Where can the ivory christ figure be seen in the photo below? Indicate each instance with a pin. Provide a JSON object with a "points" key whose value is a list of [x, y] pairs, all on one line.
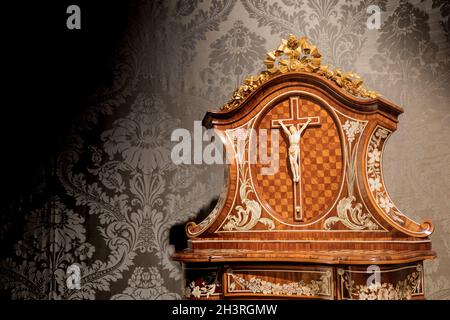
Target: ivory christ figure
{"points": [[294, 136]]}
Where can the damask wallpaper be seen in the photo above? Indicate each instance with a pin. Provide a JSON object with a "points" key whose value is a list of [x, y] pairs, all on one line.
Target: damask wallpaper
{"points": [[111, 198]]}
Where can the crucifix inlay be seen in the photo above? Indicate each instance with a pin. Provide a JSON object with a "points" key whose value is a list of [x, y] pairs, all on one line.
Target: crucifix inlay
{"points": [[293, 128]]}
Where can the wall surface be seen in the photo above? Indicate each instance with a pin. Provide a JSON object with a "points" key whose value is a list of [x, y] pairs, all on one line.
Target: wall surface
{"points": [[110, 198]]}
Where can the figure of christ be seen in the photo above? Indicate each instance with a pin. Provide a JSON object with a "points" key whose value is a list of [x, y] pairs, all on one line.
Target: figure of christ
{"points": [[294, 136]]}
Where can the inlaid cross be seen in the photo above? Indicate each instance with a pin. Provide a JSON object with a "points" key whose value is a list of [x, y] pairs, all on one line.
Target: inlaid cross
{"points": [[296, 126]]}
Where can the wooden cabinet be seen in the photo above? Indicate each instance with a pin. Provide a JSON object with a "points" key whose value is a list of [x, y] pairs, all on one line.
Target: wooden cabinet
{"points": [[305, 213]]}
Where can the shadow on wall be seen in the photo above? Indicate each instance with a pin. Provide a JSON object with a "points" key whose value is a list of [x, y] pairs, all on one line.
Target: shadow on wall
{"points": [[177, 235]]}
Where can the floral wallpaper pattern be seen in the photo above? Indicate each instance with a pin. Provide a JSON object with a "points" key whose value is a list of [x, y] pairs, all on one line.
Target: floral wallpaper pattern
{"points": [[115, 194]]}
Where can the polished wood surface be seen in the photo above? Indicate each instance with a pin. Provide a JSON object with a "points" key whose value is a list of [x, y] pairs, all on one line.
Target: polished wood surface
{"points": [[354, 257], [348, 220]]}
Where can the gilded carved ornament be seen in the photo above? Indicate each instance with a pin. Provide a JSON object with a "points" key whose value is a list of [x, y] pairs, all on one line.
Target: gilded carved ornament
{"points": [[294, 55]]}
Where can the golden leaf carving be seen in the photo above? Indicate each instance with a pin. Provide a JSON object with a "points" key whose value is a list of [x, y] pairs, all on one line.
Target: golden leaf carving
{"points": [[298, 55]]}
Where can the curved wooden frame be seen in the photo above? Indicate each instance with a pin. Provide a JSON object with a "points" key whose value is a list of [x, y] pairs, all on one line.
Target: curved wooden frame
{"points": [[361, 229], [377, 112]]}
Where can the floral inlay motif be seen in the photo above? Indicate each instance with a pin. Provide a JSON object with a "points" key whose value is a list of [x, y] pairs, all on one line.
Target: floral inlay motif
{"points": [[351, 216], [203, 287], [248, 213], [402, 290], [374, 175], [351, 129], [299, 288]]}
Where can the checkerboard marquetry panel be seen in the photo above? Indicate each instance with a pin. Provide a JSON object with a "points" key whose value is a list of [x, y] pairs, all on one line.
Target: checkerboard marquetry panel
{"points": [[321, 164]]}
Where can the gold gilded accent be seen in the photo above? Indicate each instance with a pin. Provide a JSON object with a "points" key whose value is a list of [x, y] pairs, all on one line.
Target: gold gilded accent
{"points": [[295, 55]]}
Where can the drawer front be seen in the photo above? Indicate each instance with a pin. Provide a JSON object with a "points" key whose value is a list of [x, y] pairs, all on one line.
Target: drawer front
{"points": [[283, 282], [203, 282], [401, 282]]}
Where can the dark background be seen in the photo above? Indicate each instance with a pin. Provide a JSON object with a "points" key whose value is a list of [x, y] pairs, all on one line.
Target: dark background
{"points": [[171, 60], [48, 73]]}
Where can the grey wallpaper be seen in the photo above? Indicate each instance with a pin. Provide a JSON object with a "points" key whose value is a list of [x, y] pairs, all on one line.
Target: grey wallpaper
{"points": [[115, 195]]}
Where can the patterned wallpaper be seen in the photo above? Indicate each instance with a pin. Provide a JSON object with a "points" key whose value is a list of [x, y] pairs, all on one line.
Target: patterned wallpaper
{"points": [[115, 195]]}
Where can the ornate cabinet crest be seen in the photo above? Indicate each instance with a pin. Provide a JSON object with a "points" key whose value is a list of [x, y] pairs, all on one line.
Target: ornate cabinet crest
{"points": [[304, 145]]}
